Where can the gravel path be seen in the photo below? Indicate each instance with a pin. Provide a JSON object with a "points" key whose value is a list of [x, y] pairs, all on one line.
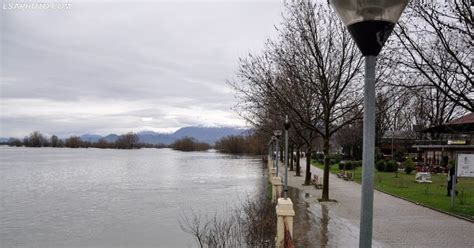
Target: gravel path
{"points": [[397, 223]]}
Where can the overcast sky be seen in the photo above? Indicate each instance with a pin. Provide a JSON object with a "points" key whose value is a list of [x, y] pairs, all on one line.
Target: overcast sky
{"points": [[117, 66]]}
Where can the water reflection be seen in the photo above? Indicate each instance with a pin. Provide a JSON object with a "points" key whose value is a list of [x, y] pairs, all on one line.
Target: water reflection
{"points": [[52, 197], [324, 226], [317, 226]]}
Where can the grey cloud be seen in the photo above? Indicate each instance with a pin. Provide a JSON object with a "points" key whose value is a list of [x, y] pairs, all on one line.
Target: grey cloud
{"points": [[168, 56]]}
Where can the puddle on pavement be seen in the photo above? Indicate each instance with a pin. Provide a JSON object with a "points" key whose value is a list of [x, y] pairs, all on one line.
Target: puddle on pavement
{"points": [[316, 226]]}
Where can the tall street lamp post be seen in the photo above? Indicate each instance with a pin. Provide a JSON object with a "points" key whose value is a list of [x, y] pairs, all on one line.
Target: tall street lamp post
{"points": [[277, 134], [270, 144], [370, 23], [273, 151], [287, 126]]}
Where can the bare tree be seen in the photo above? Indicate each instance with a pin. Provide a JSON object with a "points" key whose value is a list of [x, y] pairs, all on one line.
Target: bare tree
{"points": [[436, 42], [312, 74], [73, 142], [251, 225], [127, 141], [325, 60], [37, 139], [54, 141]]}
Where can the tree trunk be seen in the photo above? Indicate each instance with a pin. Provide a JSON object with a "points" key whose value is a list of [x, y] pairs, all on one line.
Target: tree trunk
{"points": [[325, 196], [282, 153], [292, 168], [352, 152], [307, 179], [298, 165]]}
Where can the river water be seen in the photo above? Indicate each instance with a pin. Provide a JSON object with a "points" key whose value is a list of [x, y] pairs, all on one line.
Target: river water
{"points": [[61, 197]]}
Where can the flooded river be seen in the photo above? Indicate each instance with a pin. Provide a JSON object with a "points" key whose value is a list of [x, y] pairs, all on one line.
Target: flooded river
{"points": [[61, 197]]}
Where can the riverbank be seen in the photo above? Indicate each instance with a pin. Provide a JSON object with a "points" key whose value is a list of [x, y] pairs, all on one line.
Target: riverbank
{"points": [[410, 225]]}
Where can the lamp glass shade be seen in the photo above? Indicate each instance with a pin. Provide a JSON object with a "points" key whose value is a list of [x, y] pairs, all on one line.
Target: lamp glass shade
{"points": [[370, 22]]}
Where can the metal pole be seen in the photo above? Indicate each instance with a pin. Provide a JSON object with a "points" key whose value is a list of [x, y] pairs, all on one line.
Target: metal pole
{"points": [[393, 132], [367, 201], [286, 161], [277, 156], [269, 151], [273, 153], [453, 183]]}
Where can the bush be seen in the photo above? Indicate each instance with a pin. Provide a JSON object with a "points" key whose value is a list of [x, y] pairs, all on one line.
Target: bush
{"points": [[380, 165], [378, 154], [399, 155], [391, 166], [319, 157], [356, 164], [240, 144], [349, 165], [189, 144], [335, 158], [409, 165]]}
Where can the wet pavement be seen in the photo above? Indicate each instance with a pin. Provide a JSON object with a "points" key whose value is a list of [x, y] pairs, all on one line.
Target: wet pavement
{"points": [[316, 226], [397, 223]]}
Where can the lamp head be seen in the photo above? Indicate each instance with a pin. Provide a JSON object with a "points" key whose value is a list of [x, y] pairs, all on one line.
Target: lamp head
{"points": [[287, 123], [277, 133], [370, 22]]}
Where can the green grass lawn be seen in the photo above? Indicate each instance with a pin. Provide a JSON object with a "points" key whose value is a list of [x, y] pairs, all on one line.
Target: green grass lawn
{"points": [[429, 194]]}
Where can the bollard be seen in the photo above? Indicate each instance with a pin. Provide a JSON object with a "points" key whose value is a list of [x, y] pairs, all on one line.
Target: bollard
{"points": [[285, 213], [271, 170], [269, 163], [277, 187], [272, 173]]}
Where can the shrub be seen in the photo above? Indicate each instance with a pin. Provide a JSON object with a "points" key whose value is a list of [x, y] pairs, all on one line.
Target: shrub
{"points": [[391, 166], [380, 165], [233, 145], [399, 155], [409, 165], [348, 165], [189, 144], [378, 154], [335, 158], [319, 157], [14, 142], [342, 165], [357, 163]]}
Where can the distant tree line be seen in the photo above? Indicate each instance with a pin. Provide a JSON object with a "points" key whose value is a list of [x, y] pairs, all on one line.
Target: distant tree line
{"points": [[241, 144], [234, 144], [252, 144], [37, 139], [188, 144]]}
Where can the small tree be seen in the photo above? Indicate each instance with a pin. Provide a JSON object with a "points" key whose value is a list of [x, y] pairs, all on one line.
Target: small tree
{"points": [[54, 141], [391, 166], [409, 165], [73, 142], [15, 142], [127, 141], [37, 139], [380, 165]]}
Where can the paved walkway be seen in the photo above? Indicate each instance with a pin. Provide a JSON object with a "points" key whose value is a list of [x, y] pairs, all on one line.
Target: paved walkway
{"points": [[397, 223]]}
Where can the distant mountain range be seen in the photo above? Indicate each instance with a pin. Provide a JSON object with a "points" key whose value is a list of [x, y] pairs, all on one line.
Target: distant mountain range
{"points": [[203, 134]]}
